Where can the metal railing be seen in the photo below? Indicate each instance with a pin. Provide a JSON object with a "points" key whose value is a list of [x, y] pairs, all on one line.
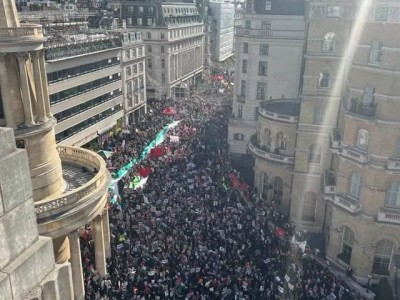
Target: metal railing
{"points": [[347, 203], [64, 202], [254, 148], [357, 107]]}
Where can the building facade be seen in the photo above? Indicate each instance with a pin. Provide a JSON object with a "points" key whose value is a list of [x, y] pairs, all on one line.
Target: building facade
{"points": [[238, 20], [268, 54], [331, 159], [85, 86], [222, 29], [67, 185], [355, 154], [133, 75], [173, 34]]}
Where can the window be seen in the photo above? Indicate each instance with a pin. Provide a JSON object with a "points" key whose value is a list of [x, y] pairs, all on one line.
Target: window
{"points": [[162, 36], [139, 21], [149, 35], [376, 52], [368, 97], [163, 78], [264, 49], [324, 80], [333, 11], [329, 41], [149, 48], [382, 13], [266, 25], [130, 9], [248, 24], [268, 5], [261, 90], [149, 21], [309, 206], [262, 68], [129, 21], [315, 154], [162, 49], [238, 137], [150, 9], [319, 115], [393, 195], [245, 48], [355, 185], [383, 257], [240, 111], [127, 54], [362, 139], [281, 141], [162, 63], [128, 71], [244, 66], [149, 63], [141, 9], [397, 149], [347, 245], [243, 88]]}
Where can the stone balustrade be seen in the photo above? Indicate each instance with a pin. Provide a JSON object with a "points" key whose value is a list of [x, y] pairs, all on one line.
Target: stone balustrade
{"points": [[270, 156], [351, 205], [354, 154], [64, 202], [389, 215], [30, 31], [277, 117]]}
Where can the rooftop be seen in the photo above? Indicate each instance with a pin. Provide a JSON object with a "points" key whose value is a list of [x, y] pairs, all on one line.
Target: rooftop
{"points": [[288, 107]]}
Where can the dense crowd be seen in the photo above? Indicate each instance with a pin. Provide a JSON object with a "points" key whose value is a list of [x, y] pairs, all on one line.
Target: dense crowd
{"points": [[191, 234]]}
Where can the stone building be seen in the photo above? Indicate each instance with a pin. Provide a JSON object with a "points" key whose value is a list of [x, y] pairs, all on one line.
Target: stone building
{"points": [[339, 161], [68, 185], [133, 75], [268, 54], [239, 6], [222, 29], [173, 34]]}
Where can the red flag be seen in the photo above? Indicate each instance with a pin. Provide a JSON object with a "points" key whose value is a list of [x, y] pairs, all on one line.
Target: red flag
{"points": [[144, 172], [156, 152], [280, 232]]}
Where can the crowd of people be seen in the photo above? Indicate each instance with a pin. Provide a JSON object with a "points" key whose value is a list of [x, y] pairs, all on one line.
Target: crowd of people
{"points": [[190, 233]]}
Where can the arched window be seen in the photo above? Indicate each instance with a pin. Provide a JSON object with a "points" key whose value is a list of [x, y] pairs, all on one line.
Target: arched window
{"points": [[347, 245], [238, 136], [315, 154], [368, 97], [393, 195], [267, 137], [376, 52], [329, 42], [309, 205], [397, 149], [355, 185], [362, 139], [280, 141], [383, 257]]}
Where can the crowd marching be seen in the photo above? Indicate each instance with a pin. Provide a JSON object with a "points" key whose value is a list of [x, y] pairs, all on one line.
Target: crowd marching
{"points": [[194, 231]]}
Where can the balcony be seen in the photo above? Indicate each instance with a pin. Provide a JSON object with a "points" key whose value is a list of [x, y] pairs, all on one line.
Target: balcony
{"points": [[354, 153], [393, 164], [357, 108], [351, 205], [266, 153], [329, 182], [336, 138], [86, 180], [28, 36], [280, 110], [267, 33], [388, 215]]}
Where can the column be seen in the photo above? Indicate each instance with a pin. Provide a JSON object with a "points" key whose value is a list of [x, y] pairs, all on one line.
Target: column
{"points": [[106, 232], [37, 76], [8, 112], [26, 97], [99, 249], [76, 265], [44, 84]]}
